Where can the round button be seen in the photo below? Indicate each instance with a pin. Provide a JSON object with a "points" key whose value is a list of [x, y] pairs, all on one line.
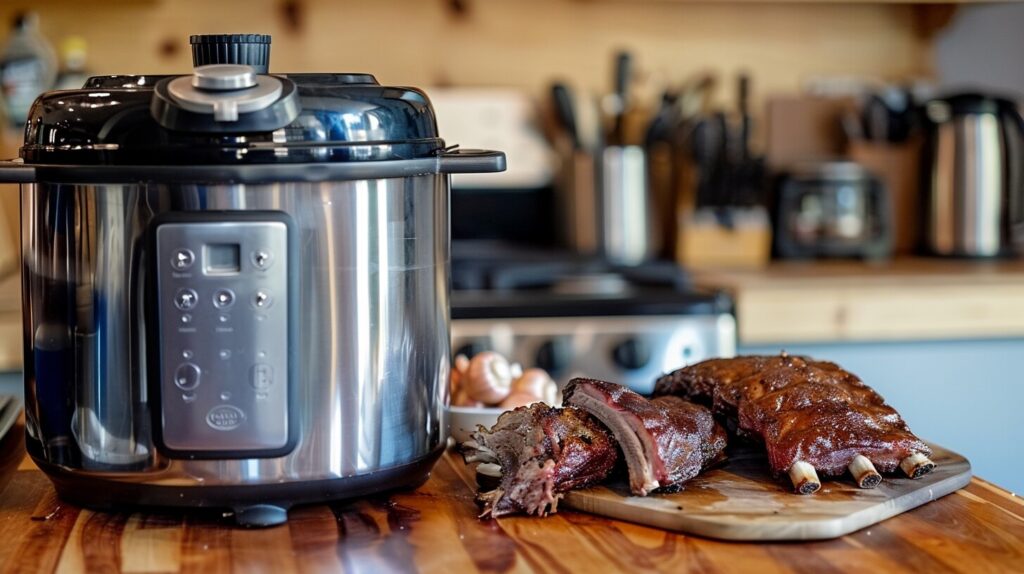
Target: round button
{"points": [[182, 259], [555, 355], [262, 300], [262, 259], [223, 298], [632, 354], [186, 377], [186, 299]]}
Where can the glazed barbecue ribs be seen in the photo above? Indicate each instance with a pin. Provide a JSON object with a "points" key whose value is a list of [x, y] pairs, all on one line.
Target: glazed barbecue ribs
{"points": [[665, 441], [543, 452], [812, 416]]}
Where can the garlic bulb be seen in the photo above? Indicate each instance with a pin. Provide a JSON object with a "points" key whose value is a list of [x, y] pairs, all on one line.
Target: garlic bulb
{"points": [[538, 383], [518, 399], [489, 377]]}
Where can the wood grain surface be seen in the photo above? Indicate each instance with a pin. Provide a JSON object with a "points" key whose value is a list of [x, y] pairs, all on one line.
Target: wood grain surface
{"points": [[741, 501], [435, 529]]}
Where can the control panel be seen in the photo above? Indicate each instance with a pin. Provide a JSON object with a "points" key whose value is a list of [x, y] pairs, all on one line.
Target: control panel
{"points": [[223, 312]]}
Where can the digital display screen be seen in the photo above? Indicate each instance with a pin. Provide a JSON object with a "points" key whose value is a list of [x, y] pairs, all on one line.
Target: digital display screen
{"points": [[222, 258]]}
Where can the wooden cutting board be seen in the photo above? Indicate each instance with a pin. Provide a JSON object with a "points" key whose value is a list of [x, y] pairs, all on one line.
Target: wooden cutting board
{"points": [[741, 501]]}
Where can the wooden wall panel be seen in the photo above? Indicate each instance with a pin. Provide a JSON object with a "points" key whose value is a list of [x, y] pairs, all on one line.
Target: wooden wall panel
{"points": [[521, 43]]}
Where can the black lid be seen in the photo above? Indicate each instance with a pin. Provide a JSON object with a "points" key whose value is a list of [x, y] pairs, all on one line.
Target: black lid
{"points": [[226, 122], [969, 103], [249, 49], [337, 118]]}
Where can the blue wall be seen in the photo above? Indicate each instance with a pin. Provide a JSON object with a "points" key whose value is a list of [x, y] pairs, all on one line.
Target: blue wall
{"points": [[967, 396]]}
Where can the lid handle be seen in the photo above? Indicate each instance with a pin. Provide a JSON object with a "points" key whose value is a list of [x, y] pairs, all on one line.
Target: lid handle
{"points": [[15, 171], [472, 161]]}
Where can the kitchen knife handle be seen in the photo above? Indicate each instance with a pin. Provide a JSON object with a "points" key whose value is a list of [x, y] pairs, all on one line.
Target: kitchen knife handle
{"points": [[14, 171], [566, 111], [472, 161]]}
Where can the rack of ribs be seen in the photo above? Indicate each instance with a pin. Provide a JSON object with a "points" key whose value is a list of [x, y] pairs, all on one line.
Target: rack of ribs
{"points": [[665, 441], [543, 452], [812, 417]]}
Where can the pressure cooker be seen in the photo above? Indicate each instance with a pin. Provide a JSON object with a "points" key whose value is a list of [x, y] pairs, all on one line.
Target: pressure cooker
{"points": [[235, 285]]}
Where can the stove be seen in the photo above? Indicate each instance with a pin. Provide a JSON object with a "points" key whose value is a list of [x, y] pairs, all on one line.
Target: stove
{"points": [[580, 316]]}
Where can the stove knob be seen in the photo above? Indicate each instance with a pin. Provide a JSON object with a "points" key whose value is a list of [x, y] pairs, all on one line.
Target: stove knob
{"points": [[632, 354], [554, 356], [472, 347]]}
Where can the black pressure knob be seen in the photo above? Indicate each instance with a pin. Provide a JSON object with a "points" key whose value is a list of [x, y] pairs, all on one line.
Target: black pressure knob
{"points": [[249, 49], [554, 356], [632, 354]]}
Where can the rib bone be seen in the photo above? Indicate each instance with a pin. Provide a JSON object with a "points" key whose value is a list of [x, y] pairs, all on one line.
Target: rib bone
{"points": [[805, 479], [917, 465], [864, 473]]}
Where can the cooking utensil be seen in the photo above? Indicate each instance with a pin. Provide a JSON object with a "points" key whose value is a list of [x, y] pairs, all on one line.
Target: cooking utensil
{"points": [[629, 232], [565, 110], [621, 84], [256, 278]]}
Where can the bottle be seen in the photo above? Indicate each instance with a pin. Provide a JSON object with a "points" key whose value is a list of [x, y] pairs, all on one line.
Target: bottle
{"points": [[28, 67], [73, 51]]}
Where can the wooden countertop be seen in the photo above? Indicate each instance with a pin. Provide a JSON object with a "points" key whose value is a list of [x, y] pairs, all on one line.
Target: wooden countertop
{"points": [[435, 529], [909, 299]]}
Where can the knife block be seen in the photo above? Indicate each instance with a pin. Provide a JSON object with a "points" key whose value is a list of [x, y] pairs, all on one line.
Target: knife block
{"points": [[740, 238]]}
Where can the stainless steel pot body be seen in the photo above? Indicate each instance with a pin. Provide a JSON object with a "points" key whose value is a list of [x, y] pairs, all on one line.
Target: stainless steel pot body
{"points": [[370, 315]]}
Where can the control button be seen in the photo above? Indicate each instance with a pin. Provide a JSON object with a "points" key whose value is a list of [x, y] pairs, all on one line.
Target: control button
{"points": [[224, 353], [186, 318], [186, 377], [188, 397], [262, 300], [185, 299], [223, 298], [182, 259], [261, 376], [186, 354], [225, 417], [631, 354], [262, 259]]}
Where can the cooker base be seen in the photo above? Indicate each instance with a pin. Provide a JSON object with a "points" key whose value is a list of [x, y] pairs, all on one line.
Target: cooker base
{"points": [[253, 505]]}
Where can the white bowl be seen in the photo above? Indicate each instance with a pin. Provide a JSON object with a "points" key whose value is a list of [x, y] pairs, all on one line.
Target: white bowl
{"points": [[464, 420]]}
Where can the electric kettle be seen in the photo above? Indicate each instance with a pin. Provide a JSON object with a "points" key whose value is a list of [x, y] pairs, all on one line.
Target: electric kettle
{"points": [[973, 177]]}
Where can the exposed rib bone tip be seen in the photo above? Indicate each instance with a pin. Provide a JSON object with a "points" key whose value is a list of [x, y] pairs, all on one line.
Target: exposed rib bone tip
{"points": [[863, 472], [805, 479], [917, 465]]}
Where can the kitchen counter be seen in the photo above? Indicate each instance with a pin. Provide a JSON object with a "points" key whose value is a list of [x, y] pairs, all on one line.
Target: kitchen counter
{"points": [[435, 529], [906, 299]]}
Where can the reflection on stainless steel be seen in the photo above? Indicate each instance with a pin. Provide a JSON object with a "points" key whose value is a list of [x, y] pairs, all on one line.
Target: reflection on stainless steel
{"points": [[372, 326]]}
